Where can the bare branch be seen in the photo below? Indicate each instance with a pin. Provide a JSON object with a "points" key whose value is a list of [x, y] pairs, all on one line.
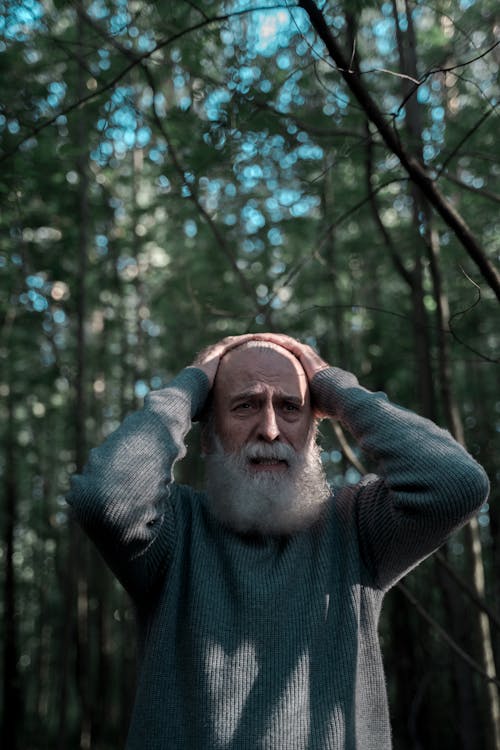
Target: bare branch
{"points": [[441, 632], [464, 312], [443, 70], [463, 140], [346, 449], [402, 316], [396, 259], [323, 238], [413, 166], [366, 199], [478, 191], [199, 10], [223, 245], [467, 589]]}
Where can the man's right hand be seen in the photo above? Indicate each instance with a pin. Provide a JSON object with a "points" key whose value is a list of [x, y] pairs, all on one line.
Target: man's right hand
{"points": [[209, 358]]}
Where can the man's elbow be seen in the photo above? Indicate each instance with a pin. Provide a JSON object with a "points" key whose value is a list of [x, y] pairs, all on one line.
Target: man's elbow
{"points": [[472, 485]]}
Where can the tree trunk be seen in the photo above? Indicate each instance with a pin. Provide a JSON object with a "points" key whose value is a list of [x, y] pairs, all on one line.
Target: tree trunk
{"points": [[471, 532], [81, 546], [44, 627], [12, 715], [458, 624], [473, 541], [334, 352], [76, 571], [424, 382]]}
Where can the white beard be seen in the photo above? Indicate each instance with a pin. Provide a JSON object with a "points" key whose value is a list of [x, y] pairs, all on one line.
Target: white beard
{"points": [[266, 502]]}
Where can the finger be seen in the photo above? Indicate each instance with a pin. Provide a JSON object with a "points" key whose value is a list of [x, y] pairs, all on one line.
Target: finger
{"points": [[217, 350], [281, 339], [232, 342], [310, 360]]}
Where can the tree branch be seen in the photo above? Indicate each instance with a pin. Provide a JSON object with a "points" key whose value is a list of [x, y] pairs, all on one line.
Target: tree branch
{"points": [[450, 69], [463, 140], [468, 590], [134, 61], [346, 448], [414, 168], [245, 284], [459, 313], [396, 259], [220, 239], [478, 191], [444, 635]]}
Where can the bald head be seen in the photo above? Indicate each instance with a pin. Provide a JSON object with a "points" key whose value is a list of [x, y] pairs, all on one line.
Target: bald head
{"points": [[255, 358]]}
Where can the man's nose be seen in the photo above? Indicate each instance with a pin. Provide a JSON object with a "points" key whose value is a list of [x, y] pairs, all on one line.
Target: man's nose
{"points": [[268, 426]]}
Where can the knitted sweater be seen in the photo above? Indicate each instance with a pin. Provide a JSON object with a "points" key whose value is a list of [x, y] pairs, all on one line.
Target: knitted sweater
{"points": [[268, 643]]}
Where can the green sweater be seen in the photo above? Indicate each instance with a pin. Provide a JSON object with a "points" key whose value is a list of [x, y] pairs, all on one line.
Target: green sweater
{"points": [[268, 643]]}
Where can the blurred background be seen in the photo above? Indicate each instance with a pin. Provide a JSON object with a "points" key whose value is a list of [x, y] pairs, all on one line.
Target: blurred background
{"points": [[171, 173]]}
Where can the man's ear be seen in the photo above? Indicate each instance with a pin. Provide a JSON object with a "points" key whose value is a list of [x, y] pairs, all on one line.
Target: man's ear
{"points": [[206, 439], [317, 413], [207, 428]]}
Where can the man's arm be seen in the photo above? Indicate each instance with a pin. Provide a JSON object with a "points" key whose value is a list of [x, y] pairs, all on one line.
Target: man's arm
{"points": [[122, 497], [427, 484]]}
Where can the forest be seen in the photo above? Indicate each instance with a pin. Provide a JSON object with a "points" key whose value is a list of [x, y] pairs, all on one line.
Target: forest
{"points": [[175, 172]]}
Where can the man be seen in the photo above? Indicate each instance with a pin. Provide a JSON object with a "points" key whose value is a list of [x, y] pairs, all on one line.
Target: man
{"points": [[258, 600]]}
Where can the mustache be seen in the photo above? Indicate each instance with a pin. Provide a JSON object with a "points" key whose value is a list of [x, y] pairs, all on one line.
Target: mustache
{"points": [[267, 451]]}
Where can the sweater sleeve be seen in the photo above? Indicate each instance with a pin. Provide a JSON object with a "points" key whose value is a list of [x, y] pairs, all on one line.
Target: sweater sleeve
{"points": [[427, 484], [121, 499]]}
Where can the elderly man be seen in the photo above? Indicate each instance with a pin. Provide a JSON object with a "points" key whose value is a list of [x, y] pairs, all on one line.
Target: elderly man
{"points": [[258, 600]]}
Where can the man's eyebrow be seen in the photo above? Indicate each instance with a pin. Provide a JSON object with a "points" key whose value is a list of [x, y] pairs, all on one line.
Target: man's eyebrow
{"points": [[291, 399], [255, 393], [245, 395]]}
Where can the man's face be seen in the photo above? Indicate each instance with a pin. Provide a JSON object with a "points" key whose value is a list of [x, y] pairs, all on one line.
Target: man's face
{"points": [[261, 395], [264, 472]]}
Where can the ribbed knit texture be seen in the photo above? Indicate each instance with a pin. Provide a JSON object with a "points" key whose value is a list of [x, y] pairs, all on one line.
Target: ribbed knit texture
{"points": [[268, 643]]}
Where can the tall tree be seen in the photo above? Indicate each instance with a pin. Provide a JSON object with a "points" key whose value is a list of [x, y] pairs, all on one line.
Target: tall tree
{"points": [[12, 714]]}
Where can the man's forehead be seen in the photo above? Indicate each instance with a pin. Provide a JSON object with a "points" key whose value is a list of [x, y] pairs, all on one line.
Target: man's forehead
{"points": [[256, 389]]}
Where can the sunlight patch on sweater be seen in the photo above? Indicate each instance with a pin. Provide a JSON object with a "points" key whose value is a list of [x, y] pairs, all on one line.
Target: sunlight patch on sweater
{"points": [[230, 678]]}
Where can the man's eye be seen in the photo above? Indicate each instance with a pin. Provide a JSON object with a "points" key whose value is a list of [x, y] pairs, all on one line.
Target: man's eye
{"points": [[291, 407], [244, 406]]}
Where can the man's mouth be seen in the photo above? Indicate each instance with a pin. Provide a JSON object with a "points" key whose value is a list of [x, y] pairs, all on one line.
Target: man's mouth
{"points": [[268, 464]]}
